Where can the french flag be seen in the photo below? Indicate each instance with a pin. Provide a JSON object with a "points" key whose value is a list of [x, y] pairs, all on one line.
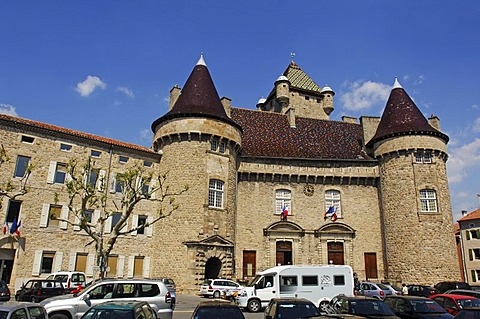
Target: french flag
{"points": [[330, 213], [285, 210], [14, 229]]}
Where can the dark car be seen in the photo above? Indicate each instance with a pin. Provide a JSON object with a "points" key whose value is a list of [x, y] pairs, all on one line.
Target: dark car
{"points": [[450, 285], [361, 306], [468, 313], [410, 307], [121, 310], [421, 290], [22, 310], [36, 290], [217, 309], [286, 308], [4, 291], [453, 303]]}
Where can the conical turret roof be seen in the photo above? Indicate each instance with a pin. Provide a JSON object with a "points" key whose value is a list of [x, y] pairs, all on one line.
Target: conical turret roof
{"points": [[198, 97], [299, 79], [402, 117]]}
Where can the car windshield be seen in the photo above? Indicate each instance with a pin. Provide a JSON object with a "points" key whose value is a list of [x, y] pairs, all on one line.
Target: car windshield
{"points": [[219, 312], [427, 306], [370, 307], [469, 302], [254, 281], [383, 287]]}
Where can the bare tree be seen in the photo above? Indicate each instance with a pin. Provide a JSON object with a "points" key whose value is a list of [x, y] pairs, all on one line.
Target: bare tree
{"points": [[8, 187], [86, 194]]}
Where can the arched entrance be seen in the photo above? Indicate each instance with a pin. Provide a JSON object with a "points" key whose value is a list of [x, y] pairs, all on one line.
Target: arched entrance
{"points": [[284, 253], [212, 268]]}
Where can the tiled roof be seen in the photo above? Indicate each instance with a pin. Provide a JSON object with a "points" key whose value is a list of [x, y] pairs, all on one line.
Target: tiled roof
{"points": [[299, 79], [401, 116], [268, 134], [12, 120], [199, 97], [471, 216]]}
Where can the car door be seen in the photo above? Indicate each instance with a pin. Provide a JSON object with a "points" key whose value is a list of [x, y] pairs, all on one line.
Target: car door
{"points": [[97, 295]]}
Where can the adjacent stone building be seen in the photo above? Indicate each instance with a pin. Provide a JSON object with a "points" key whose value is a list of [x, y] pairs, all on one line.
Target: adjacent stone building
{"points": [[282, 184]]}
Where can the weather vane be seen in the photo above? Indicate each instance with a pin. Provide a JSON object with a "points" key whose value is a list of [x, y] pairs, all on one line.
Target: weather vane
{"points": [[292, 55]]}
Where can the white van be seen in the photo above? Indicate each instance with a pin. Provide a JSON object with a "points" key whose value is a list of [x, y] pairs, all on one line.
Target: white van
{"points": [[71, 280], [319, 284]]}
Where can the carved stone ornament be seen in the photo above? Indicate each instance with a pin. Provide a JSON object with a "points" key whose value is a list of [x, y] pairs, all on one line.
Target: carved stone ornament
{"points": [[308, 190]]}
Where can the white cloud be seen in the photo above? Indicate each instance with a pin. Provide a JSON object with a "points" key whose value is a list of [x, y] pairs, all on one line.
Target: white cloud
{"points": [[7, 109], [419, 80], [364, 94], [476, 124], [125, 90], [90, 84], [462, 160], [146, 134]]}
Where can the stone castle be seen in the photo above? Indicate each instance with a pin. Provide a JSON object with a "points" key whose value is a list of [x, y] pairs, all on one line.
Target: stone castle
{"points": [[282, 184]]}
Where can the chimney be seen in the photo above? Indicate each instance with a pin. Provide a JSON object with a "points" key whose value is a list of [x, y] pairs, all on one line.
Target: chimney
{"points": [[434, 121], [478, 197], [349, 119], [174, 94], [227, 105], [291, 116], [464, 212]]}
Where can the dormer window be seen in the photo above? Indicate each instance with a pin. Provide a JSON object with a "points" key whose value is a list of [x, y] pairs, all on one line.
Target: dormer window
{"points": [[423, 157]]}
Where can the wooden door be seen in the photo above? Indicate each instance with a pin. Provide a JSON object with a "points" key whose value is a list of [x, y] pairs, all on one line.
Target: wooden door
{"points": [[335, 253], [371, 265]]}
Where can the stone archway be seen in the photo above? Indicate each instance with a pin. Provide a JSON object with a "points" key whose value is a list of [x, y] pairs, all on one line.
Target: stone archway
{"points": [[212, 268]]}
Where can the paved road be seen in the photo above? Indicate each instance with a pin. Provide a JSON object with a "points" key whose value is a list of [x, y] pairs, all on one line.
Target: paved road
{"points": [[187, 303]]}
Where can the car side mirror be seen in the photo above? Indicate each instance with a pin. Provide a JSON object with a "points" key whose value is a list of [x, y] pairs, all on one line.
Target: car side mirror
{"points": [[85, 297]]}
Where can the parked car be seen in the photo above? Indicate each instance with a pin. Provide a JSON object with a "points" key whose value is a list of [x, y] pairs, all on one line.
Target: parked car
{"points": [[71, 280], [360, 306], [468, 313], [450, 285], [217, 309], [464, 292], [395, 290], [169, 283], [453, 303], [373, 289], [215, 287], [121, 310], [152, 291], [416, 307], [23, 310], [4, 291], [36, 290], [286, 308], [421, 290]]}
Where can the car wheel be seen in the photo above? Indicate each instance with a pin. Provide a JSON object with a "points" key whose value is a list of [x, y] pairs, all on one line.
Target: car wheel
{"points": [[58, 316], [216, 294], [254, 305], [33, 299], [323, 306]]}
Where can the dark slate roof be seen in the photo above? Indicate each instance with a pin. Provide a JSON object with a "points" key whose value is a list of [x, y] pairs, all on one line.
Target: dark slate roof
{"points": [[299, 79], [402, 117], [268, 134], [199, 97]]}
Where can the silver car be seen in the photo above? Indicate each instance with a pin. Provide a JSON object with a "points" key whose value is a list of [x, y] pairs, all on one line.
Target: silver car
{"points": [[375, 290], [74, 306], [216, 287]]}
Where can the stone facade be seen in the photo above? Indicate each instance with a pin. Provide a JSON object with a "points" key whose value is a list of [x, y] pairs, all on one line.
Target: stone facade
{"points": [[228, 223]]}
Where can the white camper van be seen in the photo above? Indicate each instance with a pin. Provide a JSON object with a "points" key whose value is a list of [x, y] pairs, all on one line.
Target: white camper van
{"points": [[319, 284]]}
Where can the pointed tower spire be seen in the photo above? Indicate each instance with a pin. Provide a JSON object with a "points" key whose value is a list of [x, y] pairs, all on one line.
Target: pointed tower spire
{"points": [[201, 61], [401, 117]]}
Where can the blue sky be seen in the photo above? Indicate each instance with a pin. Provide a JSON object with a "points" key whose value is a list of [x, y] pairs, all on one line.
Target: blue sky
{"points": [[106, 67]]}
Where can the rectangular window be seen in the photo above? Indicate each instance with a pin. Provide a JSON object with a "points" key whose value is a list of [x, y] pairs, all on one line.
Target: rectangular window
{"points": [[288, 281], [13, 210], [428, 201], [138, 267], [53, 215], [474, 254], [333, 198], [65, 147], [115, 219], [213, 145], [47, 262], [310, 280], [283, 201], [118, 186], [427, 157], [338, 280], [81, 262], [27, 139], [474, 234], [89, 214], [142, 220], [474, 275], [147, 163], [222, 148], [60, 173], [94, 153], [21, 166], [418, 157], [123, 159], [112, 266], [93, 177], [215, 193]]}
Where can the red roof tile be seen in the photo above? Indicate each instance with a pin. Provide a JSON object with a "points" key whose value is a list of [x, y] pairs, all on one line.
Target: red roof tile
{"points": [[471, 216]]}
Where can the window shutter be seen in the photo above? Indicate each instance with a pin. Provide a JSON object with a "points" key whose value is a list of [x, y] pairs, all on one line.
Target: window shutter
{"points": [[468, 234], [149, 229], [474, 275], [71, 262], [90, 263], [113, 183], [153, 185], [44, 215], [125, 227], [134, 224], [470, 254], [120, 266], [63, 215], [77, 221], [36, 262], [95, 216], [108, 225], [101, 180], [51, 172], [58, 261], [146, 267], [131, 264]]}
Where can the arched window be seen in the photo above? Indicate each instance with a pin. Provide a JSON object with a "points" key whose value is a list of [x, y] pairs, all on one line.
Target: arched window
{"points": [[428, 201], [215, 193], [332, 198], [283, 200]]}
